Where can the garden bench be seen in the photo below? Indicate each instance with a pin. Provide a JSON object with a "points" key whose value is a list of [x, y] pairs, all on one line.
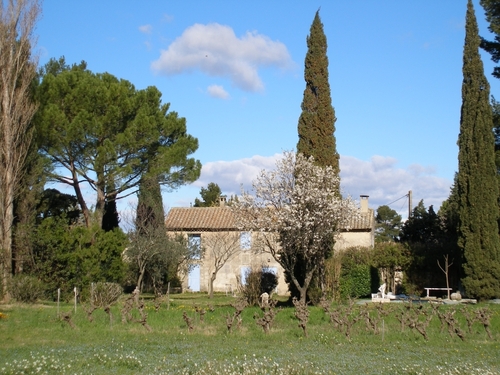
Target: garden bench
{"points": [[428, 289]]}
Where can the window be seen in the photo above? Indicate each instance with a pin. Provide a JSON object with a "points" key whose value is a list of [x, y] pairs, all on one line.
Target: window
{"points": [[245, 270], [245, 240], [194, 243]]}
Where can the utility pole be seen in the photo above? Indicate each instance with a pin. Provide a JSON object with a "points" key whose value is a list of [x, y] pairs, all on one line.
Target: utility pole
{"points": [[410, 205]]}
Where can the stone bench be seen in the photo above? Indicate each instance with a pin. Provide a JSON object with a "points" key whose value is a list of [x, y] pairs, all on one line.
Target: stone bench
{"points": [[429, 289]]}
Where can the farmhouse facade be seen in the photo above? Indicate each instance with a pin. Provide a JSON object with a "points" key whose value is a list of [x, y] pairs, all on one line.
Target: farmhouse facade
{"points": [[210, 227]]}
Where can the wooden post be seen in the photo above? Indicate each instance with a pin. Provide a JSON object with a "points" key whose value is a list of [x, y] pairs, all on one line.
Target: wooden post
{"points": [[168, 296], [410, 203], [75, 290]]}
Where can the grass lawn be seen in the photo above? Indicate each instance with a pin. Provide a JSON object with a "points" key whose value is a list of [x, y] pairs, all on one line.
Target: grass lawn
{"points": [[33, 340]]}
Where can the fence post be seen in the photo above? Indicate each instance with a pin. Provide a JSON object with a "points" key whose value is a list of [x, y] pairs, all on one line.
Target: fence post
{"points": [[75, 290]]}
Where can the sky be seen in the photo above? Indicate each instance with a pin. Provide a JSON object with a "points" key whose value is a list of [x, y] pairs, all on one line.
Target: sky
{"points": [[234, 70]]}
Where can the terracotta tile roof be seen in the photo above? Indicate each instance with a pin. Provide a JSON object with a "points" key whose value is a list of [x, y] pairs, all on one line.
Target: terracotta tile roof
{"points": [[221, 218], [200, 219], [364, 223]]}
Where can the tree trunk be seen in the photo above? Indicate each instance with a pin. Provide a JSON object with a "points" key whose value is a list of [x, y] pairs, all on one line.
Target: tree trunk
{"points": [[79, 196], [100, 202], [6, 241], [211, 286], [142, 271], [303, 288]]}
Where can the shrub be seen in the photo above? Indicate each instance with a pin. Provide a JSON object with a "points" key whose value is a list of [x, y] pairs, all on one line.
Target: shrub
{"points": [[355, 282], [257, 281], [105, 294], [268, 280], [356, 273], [26, 288]]}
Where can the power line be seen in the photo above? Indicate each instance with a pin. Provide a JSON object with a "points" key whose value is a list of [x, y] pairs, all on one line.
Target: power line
{"points": [[401, 209], [404, 196]]}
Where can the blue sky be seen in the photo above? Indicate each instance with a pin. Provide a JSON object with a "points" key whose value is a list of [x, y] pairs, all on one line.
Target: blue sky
{"points": [[234, 70]]}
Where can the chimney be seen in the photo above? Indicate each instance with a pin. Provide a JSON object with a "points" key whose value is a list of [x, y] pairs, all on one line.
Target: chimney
{"points": [[222, 200], [364, 203]]}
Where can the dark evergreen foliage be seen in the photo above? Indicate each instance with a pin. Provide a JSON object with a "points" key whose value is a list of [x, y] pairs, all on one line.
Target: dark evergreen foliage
{"points": [[357, 278], [317, 121], [65, 256], [98, 125], [423, 226], [477, 186], [492, 12], [149, 205], [110, 219], [429, 237], [388, 224], [210, 196], [495, 106], [53, 203]]}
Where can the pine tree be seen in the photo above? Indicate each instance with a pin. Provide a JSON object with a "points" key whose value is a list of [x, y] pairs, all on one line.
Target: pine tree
{"points": [[476, 180], [317, 121], [210, 196]]}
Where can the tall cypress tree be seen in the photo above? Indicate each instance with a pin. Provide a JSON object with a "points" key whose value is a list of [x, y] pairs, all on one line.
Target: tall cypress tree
{"points": [[316, 129], [492, 12], [317, 120], [476, 180], [150, 211]]}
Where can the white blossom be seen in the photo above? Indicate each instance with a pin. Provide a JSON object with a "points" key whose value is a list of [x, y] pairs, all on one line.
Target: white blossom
{"points": [[298, 209]]}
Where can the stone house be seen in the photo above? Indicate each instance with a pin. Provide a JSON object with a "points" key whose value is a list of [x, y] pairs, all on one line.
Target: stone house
{"points": [[214, 229]]}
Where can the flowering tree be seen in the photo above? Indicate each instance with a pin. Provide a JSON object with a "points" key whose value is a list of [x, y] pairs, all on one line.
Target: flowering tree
{"points": [[297, 212]]}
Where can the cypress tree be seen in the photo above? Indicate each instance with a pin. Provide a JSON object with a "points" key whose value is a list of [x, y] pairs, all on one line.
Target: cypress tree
{"points": [[317, 121], [150, 213], [110, 219], [316, 129], [476, 180], [492, 12]]}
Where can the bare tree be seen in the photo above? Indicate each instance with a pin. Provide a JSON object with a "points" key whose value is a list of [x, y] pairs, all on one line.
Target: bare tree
{"points": [[17, 71], [445, 271], [218, 249], [153, 252], [297, 212], [148, 247]]}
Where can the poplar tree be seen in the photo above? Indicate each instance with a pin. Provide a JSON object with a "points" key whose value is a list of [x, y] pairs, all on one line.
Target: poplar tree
{"points": [[317, 121], [17, 70], [476, 180]]}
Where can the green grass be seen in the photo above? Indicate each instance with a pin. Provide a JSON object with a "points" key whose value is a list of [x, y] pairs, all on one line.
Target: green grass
{"points": [[33, 340]]}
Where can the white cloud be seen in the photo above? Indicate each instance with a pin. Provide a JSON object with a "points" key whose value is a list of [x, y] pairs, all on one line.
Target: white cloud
{"points": [[146, 29], [215, 50], [384, 182], [217, 91], [231, 175], [380, 178]]}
